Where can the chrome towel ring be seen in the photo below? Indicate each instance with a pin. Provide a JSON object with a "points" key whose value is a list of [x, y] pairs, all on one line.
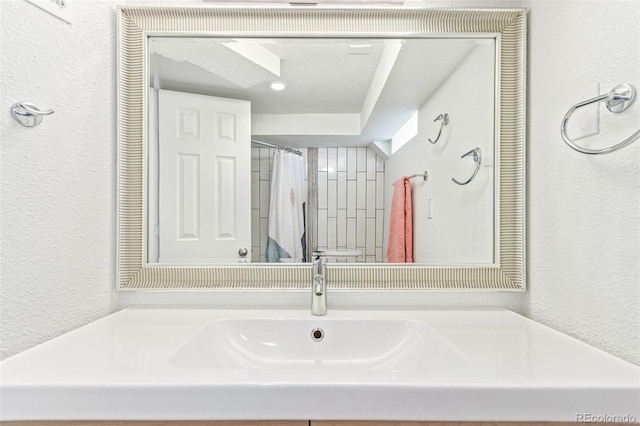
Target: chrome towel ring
{"points": [[445, 122], [477, 158], [617, 100]]}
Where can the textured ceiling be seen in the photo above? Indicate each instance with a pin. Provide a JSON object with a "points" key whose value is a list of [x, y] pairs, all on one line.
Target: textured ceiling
{"points": [[323, 76]]}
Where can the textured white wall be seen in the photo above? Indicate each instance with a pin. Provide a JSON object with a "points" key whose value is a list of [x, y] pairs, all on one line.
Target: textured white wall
{"points": [[461, 228], [584, 211], [58, 181], [583, 214]]}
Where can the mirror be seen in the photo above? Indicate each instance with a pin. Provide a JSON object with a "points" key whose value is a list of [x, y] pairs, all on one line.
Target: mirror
{"points": [[242, 131], [356, 113]]}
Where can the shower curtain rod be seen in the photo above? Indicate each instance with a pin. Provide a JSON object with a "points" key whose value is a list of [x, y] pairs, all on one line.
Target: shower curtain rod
{"points": [[284, 148]]}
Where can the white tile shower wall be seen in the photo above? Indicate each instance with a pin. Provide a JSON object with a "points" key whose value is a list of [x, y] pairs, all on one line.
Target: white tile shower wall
{"points": [[350, 202], [341, 225]]}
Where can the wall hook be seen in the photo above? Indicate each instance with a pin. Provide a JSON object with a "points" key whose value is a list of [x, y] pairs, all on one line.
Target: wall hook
{"points": [[477, 158], [28, 114], [445, 121]]}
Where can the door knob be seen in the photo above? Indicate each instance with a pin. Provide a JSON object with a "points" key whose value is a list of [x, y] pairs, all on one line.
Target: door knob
{"points": [[243, 252]]}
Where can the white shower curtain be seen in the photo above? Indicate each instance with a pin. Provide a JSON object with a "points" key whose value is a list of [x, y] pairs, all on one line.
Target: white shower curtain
{"points": [[287, 222]]}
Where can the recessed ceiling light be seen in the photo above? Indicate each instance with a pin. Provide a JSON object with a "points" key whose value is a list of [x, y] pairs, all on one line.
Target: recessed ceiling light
{"points": [[277, 85]]}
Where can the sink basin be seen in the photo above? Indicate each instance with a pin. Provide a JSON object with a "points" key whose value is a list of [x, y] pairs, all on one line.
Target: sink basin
{"points": [[261, 364], [312, 343]]}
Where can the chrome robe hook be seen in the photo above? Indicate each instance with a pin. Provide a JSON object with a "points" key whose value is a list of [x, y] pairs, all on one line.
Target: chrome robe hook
{"points": [[617, 100], [445, 121], [477, 158], [28, 114]]}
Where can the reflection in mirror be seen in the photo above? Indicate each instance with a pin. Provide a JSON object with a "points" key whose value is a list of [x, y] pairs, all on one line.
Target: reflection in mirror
{"points": [[265, 149]]}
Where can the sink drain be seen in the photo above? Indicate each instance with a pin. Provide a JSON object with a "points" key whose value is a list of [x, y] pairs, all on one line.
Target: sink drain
{"points": [[317, 334]]}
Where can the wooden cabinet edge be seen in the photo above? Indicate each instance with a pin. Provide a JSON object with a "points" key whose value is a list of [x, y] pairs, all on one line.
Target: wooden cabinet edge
{"points": [[159, 423], [284, 423], [432, 423]]}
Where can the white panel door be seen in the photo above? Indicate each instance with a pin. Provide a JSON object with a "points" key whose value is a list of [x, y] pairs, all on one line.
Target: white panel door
{"points": [[205, 178]]}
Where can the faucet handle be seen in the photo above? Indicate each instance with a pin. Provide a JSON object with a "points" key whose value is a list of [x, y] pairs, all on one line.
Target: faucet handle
{"points": [[317, 254]]}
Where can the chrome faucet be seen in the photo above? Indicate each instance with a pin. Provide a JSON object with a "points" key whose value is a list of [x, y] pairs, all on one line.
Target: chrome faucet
{"points": [[319, 286]]}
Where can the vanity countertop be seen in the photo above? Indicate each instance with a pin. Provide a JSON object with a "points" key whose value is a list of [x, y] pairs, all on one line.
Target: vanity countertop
{"points": [[210, 364]]}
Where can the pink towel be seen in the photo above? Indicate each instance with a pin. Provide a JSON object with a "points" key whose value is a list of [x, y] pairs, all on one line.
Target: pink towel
{"points": [[400, 248]]}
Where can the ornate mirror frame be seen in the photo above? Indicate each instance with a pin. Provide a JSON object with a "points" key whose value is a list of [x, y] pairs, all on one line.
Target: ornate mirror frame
{"points": [[136, 24]]}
